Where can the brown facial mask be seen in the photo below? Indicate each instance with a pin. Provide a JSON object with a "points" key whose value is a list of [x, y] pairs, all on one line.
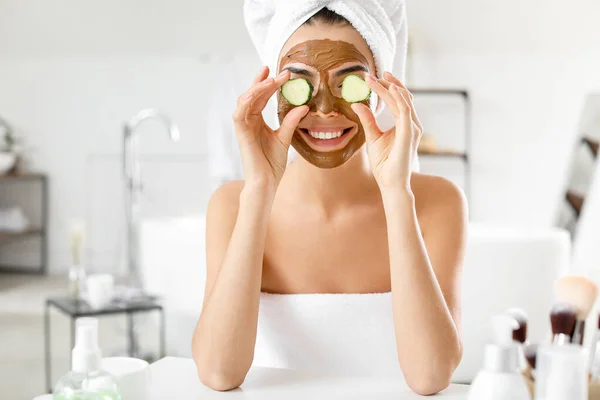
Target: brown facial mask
{"points": [[325, 55]]}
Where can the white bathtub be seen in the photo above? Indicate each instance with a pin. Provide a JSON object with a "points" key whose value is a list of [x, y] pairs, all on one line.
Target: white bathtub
{"points": [[173, 260], [504, 267]]}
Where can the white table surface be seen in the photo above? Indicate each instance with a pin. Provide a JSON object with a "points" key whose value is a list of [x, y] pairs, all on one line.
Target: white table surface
{"points": [[176, 378]]}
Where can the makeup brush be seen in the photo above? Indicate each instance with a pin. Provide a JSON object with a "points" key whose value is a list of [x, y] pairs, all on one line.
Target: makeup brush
{"points": [[531, 357], [520, 333], [563, 317], [531, 354], [593, 368], [581, 292]]}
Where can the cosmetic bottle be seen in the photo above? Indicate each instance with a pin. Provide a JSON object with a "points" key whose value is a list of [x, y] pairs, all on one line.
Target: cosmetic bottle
{"points": [[500, 378], [86, 381]]}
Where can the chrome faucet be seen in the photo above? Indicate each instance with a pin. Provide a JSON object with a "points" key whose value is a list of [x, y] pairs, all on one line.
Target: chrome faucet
{"points": [[133, 188]]}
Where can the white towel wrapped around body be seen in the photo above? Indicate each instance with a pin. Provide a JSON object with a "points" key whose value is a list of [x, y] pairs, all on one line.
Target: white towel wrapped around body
{"points": [[346, 334]]}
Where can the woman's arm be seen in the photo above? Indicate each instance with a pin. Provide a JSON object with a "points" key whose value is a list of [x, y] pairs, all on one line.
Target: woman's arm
{"points": [[425, 272], [425, 279], [223, 343]]}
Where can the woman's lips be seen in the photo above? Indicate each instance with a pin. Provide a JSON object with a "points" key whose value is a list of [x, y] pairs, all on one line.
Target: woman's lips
{"points": [[325, 139]]}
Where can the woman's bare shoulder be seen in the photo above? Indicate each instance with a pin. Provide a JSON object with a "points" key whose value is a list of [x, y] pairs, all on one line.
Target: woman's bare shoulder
{"points": [[225, 200], [436, 196]]}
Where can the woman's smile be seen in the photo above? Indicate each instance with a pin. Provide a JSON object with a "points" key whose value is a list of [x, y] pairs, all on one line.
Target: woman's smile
{"points": [[331, 132], [327, 138]]}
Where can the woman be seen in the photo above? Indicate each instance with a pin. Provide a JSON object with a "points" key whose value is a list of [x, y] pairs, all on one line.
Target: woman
{"points": [[347, 217]]}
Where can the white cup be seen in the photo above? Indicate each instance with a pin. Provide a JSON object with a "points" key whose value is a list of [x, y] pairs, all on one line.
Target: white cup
{"points": [[100, 289], [132, 375]]}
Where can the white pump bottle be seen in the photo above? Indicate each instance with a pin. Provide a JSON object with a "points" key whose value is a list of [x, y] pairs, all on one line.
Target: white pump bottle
{"points": [[86, 381], [500, 378]]}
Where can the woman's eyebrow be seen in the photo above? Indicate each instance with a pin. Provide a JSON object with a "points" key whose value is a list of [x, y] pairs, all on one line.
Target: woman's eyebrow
{"points": [[298, 71], [353, 68]]}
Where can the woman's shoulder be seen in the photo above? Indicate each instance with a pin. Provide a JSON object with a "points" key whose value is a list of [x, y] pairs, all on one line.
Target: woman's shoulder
{"points": [[229, 190], [435, 195], [226, 198]]}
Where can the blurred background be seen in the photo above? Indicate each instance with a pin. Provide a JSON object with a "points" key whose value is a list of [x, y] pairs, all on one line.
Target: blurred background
{"points": [[508, 92]]}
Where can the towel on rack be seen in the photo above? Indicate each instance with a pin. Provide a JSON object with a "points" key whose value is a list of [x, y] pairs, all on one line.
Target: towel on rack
{"points": [[13, 220]]}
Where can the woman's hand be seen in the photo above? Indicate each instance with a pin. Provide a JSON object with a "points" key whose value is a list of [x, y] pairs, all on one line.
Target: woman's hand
{"points": [[263, 150], [392, 152]]}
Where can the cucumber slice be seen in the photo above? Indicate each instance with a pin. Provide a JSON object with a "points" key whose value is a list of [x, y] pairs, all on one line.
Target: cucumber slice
{"points": [[355, 89], [297, 91]]}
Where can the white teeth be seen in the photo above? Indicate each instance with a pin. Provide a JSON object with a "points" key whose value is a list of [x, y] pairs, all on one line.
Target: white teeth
{"points": [[326, 135]]}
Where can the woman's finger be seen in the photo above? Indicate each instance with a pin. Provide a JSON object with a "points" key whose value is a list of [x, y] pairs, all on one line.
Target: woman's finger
{"points": [[383, 93], [404, 95], [239, 115], [392, 79], [384, 83], [405, 135], [408, 96], [253, 90], [244, 102], [260, 101], [387, 84], [404, 105], [367, 119], [262, 75], [290, 123], [257, 92]]}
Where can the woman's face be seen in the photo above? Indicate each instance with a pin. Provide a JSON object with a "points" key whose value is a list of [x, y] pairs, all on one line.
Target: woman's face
{"points": [[325, 55]]}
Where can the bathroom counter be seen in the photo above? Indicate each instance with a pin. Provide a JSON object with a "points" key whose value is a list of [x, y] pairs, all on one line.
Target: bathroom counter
{"points": [[176, 378]]}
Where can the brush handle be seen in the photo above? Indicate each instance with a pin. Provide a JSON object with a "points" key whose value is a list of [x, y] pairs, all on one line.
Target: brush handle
{"points": [[560, 339], [523, 364], [578, 332]]}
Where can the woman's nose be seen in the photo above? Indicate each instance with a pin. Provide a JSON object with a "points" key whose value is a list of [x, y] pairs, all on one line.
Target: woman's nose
{"points": [[324, 102]]}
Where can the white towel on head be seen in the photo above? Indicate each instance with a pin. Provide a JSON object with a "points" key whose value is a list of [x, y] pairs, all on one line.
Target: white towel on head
{"points": [[349, 334], [382, 23]]}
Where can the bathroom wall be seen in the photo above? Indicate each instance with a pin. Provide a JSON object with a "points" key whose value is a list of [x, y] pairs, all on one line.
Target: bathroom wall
{"points": [[72, 72], [71, 111]]}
